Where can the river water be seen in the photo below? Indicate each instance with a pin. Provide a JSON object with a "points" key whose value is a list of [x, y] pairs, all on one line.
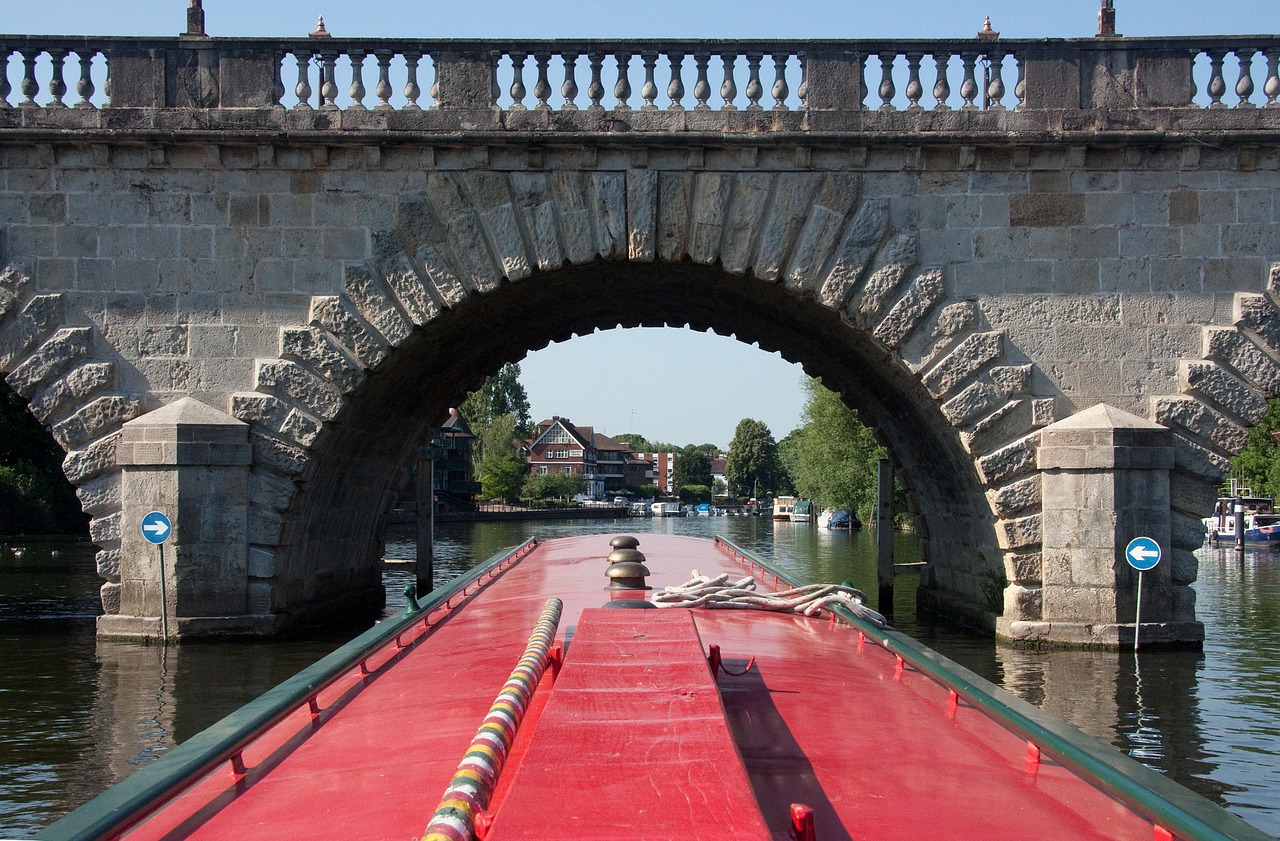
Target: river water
{"points": [[77, 715]]}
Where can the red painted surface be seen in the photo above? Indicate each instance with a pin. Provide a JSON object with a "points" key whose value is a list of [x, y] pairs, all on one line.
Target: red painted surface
{"points": [[633, 742], [875, 750]]}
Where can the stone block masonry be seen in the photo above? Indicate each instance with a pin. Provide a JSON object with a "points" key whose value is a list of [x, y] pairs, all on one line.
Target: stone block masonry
{"points": [[250, 310]]}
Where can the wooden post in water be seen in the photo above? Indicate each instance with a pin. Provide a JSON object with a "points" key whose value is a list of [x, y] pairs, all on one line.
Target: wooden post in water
{"points": [[884, 535], [425, 518]]}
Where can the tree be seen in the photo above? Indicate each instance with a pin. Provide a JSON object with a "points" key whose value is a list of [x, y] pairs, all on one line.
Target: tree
{"points": [[502, 476], [554, 486], [836, 455], [501, 394], [788, 462], [751, 468], [639, 444], [692, 467], [1258, 465]]}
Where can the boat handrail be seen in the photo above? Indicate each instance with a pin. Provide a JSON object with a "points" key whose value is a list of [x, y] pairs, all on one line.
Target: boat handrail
{"points": [[477, 775], [1173, 807], [128, 802]]}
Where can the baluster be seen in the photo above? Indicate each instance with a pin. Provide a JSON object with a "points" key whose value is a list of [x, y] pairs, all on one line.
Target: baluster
{"points": [[780, 89], [303, 88], [495, 90], [915, 90], [649, 91], [29, 86], [941, 87], [1244, 85], [5, 87], [675, 88], [995, 84], [357, 89], [887, 89], [411, 89], [570, 87], [1271, 88], [728, 89], [57, 83], [434, 92], [622, 88], [701, 88], [84, 87], [1020, 89], [329, 88], [542, 87], [518, 89], [803, 91], [382, 90], [754, 89], [595, 88], [278, 89], [969, 87], [1217, 85]]}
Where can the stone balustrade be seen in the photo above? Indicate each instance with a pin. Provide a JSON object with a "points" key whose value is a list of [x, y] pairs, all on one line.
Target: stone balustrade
{"points": [[640, 84]]}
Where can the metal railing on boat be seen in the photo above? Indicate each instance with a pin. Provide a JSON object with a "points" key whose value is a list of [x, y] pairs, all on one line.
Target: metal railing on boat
{"points": [[113, 812], [1176, 811]]}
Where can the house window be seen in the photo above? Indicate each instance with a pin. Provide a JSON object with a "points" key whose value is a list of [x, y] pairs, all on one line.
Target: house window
{"points": [[567, 470], [560, 454], [542, 470]]}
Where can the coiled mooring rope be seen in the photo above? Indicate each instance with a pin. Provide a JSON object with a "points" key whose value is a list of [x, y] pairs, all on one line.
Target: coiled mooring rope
{"points": [[810, 600], [473, 783]]}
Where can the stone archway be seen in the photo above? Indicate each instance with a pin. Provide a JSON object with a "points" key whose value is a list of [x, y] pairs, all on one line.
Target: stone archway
{"points": [[482, 266]]}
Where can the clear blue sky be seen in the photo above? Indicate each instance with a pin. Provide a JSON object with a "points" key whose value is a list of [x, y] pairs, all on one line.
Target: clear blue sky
{"points": [[670, 385]]}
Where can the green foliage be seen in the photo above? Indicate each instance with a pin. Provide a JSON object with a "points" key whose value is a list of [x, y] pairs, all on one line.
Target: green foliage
{"points": [[554, 486], [695, 493], [501, 394], [496, 439], [35, 497], [639, 444], [692, 467], [1258, 465], [648, 491], [835, 456], [502, 476], [751, 468]]}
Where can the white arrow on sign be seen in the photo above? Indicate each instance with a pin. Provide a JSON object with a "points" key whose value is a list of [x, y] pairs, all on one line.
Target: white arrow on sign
{"points": [[1143, 553], [158, 529]]}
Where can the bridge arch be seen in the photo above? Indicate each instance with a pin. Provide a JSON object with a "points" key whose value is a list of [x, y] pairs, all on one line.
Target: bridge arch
{"points": [[804, 265], [477, 266]]}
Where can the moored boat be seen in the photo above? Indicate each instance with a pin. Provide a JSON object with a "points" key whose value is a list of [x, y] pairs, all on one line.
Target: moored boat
{"points": [[802, 511], [802, 718], [782, 506], [1261, 522]]}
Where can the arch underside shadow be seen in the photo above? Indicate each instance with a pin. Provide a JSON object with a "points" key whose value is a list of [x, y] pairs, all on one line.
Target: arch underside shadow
{"points": [[359, 459]]}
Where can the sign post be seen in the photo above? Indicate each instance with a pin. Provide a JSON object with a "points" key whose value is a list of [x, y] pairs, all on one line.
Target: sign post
{"points": [[156, 528], [1142, 553]]}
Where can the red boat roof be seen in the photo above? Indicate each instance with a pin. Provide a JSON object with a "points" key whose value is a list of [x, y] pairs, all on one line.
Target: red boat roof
{"points": [[634, 739]]}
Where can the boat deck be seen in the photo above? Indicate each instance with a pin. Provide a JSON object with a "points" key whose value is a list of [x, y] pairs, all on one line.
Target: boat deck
{"points": [[825, 717]]}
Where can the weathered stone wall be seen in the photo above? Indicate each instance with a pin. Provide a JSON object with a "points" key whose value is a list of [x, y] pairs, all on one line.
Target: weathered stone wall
{"points": [[339, 297]]}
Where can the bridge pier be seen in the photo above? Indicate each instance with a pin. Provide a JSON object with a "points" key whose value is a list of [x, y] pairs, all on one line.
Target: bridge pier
{"points": [[1104, 481], [192, 463]]}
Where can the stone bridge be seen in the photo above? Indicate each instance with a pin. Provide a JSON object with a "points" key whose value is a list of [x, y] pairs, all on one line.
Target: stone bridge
{"points": [[242, 278]]}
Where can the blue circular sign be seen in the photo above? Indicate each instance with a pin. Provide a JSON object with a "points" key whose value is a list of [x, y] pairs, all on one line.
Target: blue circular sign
{"points": [[156, 527], [1142, 553]]}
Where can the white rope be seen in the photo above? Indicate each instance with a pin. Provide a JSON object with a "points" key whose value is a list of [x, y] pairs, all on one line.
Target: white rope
{"points": [[719, 592]]}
